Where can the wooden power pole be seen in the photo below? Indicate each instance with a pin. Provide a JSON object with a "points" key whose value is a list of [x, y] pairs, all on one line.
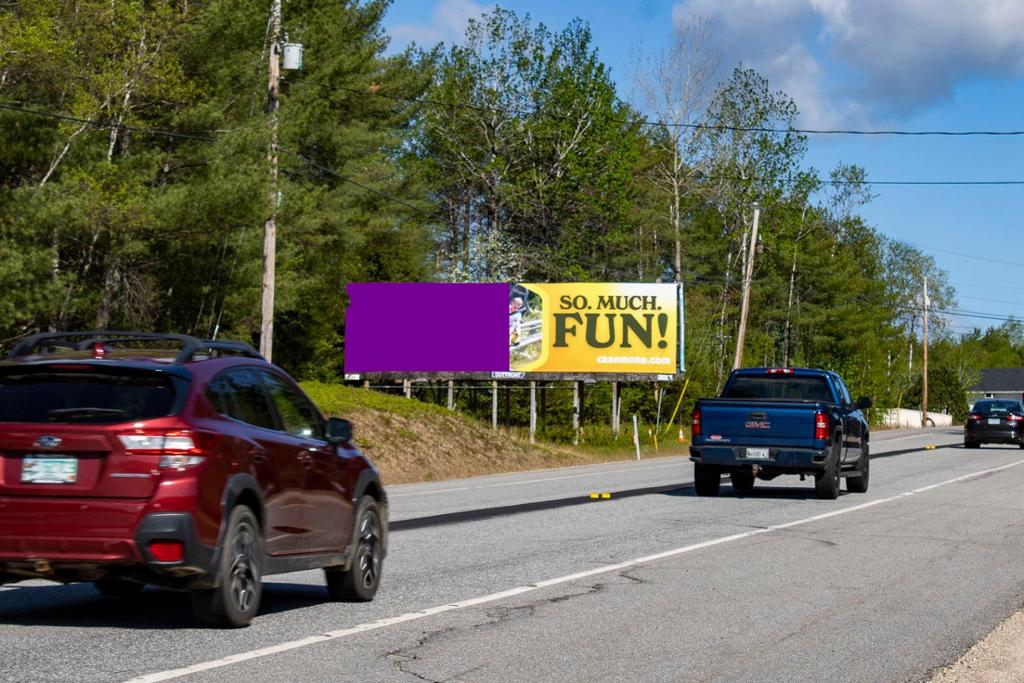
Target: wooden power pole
{"points": [[924, 372], [270, 227], [748, 276]]}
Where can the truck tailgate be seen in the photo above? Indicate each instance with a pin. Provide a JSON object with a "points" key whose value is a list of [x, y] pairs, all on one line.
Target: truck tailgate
{"points": [[783, 424]]}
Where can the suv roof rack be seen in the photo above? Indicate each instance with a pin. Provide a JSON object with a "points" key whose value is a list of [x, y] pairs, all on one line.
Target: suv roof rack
{"points": [[80, 341]]}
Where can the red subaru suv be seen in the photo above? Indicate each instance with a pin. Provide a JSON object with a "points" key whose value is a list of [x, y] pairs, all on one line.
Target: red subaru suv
{"points": [[129, 458]]}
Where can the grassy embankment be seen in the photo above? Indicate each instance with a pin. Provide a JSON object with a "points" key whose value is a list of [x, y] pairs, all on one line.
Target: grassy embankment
{"points": [[414, 441]]}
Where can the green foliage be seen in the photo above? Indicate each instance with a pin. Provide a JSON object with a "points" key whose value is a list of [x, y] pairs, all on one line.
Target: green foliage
{"points": [[510, 156]]}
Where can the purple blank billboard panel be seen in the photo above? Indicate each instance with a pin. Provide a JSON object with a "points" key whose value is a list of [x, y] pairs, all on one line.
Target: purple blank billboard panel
{"points": [[426, 327]]}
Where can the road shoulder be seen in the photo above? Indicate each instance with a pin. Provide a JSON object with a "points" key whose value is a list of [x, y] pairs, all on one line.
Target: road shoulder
{"points": [[998, 658]]}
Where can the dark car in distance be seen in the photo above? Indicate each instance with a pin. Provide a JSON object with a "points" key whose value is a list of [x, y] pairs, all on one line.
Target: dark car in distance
{"points": [[994, 421], [129, 458]]}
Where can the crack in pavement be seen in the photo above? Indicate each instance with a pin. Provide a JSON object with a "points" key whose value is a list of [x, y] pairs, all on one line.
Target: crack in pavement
{"points": [[495, 616]]}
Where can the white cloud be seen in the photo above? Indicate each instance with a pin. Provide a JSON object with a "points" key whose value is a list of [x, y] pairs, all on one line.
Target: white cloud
{"points": [[848, 61], [447, 24]]}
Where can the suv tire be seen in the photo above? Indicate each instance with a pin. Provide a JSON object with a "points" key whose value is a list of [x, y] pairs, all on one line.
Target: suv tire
{"points": [[706, 479], [236, 598], [118, 588], [826, 482], [359, 582]]}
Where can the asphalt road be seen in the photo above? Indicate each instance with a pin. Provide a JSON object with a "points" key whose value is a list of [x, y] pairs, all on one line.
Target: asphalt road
{"points": [[525, 578]]}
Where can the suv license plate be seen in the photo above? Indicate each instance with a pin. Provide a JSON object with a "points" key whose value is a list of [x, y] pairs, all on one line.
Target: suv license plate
{"points": [[757, 453], [45, 469]]}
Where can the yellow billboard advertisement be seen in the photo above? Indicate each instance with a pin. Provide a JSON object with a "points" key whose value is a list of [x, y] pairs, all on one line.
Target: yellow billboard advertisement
{"points": [[594, 327]]}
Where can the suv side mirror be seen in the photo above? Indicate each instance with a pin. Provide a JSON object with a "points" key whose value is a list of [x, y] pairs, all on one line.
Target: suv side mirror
{"points": [[339, 430], [863, 403]]}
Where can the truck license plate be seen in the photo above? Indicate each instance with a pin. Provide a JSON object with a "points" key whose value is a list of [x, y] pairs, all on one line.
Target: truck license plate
{"points": [[40, 469], [757, 453]]}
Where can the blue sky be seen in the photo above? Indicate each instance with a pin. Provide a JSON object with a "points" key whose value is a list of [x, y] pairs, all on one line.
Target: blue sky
{"points": [[864, 64]]}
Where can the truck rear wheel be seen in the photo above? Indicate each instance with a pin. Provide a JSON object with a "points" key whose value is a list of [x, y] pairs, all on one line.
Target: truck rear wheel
{"points": [[826, 482], [706, 479], [742, 480], [858, 483]]}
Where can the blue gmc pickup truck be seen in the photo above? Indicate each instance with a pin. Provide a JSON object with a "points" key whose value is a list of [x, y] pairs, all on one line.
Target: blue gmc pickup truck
{"points": [[772, 421]]}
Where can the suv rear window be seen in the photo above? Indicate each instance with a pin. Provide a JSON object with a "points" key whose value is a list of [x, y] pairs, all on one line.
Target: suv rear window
{"points": [[779, 387], [93, 396]]}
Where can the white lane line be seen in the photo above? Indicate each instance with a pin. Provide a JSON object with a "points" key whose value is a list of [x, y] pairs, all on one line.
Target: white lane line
{"points": [[428, 493], [534, 481], [882, 442], [512, 592]]}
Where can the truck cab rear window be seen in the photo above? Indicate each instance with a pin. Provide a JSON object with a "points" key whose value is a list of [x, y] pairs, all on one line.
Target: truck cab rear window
{"points": [[87, 397], [779, 387]]}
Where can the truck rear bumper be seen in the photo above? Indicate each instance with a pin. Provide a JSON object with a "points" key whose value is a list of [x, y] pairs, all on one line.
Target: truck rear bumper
{"points": [[785, 459]]}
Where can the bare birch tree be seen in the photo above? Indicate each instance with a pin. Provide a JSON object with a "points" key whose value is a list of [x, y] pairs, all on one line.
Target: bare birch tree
{"points": [[675, 87]]}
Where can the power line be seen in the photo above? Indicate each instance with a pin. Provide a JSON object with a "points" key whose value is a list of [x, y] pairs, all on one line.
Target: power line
{"points": [[936, 183], [101, 124], [705, 126], [962, 313], [344, 178], [207, 137], [991, 301], [970, 256]]}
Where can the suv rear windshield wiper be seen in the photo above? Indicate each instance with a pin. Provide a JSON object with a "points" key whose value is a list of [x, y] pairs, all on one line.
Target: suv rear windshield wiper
{"points": [[85, 411]]}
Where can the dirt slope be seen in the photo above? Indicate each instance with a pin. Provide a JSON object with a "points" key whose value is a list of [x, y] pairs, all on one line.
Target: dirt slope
{"points": [[412, 441]]}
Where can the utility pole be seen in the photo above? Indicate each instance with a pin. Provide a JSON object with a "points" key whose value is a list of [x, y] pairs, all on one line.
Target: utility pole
{"points": [[270, 227], [746, 290], [924, 377]]}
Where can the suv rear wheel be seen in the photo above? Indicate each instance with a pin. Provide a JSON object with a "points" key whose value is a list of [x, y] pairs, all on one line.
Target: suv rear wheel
{"points": [[236, 598], [359, 582]]}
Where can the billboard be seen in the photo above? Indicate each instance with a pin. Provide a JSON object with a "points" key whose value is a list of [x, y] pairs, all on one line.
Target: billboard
{"points": [[576, 328]]}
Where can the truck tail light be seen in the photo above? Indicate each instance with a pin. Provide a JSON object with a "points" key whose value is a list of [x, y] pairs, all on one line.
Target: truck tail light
{"points": [[177, 448], [695, 424], [820, 426], [780, 371]]}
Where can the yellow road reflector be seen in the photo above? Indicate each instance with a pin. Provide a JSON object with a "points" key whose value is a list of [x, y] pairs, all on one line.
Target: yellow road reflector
{"points": [[930, 447], [599, 496], [606, 495], [595, 496]]}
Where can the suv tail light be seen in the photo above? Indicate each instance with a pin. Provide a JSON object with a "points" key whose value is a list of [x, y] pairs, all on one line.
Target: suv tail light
{"points": [[820, 426], [695, 424], [167, 551], [176, 448]]}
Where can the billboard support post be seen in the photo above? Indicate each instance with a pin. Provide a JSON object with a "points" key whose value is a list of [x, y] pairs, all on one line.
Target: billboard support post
{"points": [[636, 436], [494, 405], [533, 411], [615, 408], [576, 386]]}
